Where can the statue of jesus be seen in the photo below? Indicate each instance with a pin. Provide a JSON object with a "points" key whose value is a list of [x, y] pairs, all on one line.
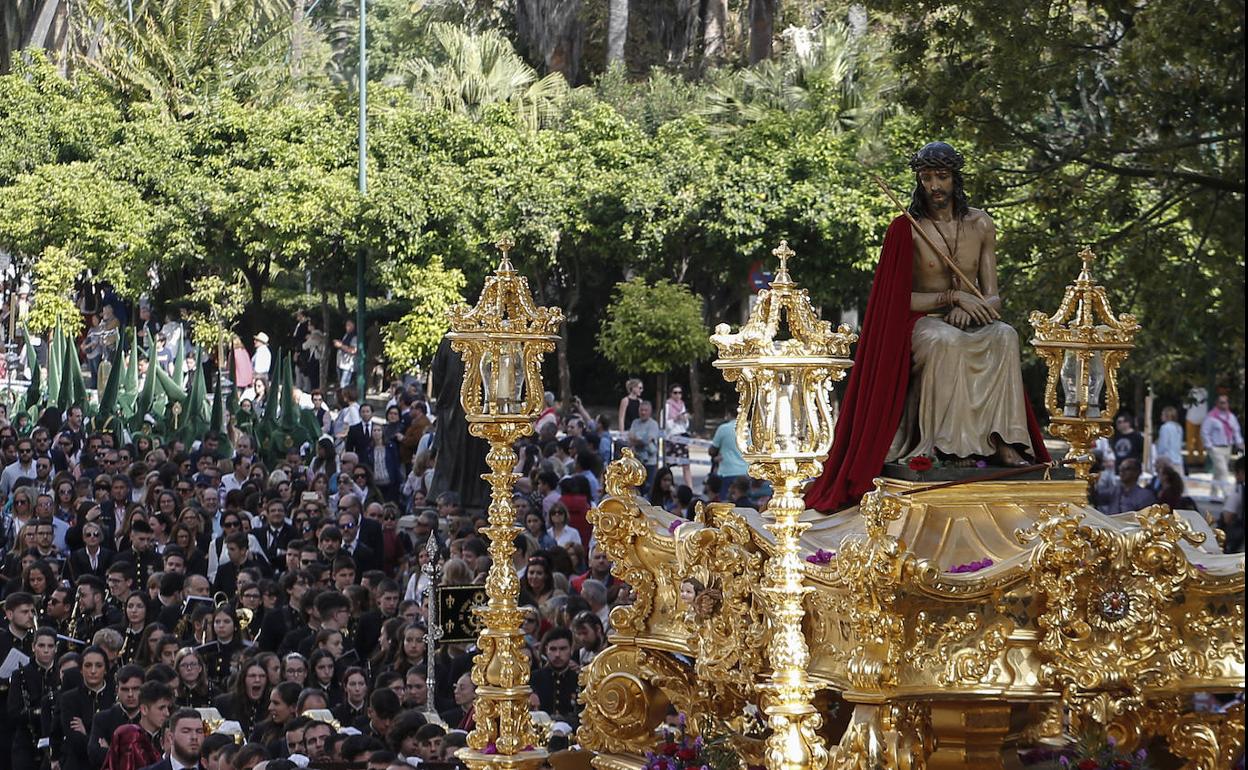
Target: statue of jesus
{"points": [[937, 372]]}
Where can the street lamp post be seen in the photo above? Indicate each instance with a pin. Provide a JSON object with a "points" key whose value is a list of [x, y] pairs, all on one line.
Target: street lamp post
{"points": [[502, 340], [361, 376]]}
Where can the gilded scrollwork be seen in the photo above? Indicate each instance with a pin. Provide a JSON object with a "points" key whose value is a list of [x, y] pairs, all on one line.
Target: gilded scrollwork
{"points": [[618, 523], [897, 736], [1207, 741], [626, 692], [726, 623], [1107, 594], [871, 570], [963, 649]]}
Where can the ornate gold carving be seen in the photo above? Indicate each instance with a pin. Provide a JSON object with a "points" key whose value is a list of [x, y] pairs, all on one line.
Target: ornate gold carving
{"points": [[726, 623], [895, 736], [502, 340], [1083, 341], [618, 523], [626, 695], [870, 571], [962, 645], [1106, 626], [1208, 741]]}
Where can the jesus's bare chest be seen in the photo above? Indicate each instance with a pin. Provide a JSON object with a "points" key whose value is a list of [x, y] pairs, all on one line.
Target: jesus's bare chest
{"points": [[962, 239]]}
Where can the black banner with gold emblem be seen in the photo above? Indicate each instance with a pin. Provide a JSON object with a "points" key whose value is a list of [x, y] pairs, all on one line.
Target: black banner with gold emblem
{"points": [[455, 612]]}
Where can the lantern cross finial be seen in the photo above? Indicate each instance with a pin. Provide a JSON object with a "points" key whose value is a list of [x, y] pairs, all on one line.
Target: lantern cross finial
{"points": [[1088, 257], [505, 244], [784, 253]]}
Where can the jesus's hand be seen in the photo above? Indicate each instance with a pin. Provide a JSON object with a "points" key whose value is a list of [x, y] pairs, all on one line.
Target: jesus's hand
{"points": [[959, 318], [981, 312]]}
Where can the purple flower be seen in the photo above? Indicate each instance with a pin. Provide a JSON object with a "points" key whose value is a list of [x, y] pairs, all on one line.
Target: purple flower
{"points": [[981, 464], [821, 557], [974, 566], [671, 528], [490, 748]]}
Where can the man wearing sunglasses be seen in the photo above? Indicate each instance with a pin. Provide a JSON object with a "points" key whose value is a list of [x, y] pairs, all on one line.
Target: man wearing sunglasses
{"points": [[22, 468]]}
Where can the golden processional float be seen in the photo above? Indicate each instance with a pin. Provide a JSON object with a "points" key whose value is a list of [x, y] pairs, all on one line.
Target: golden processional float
{"points": [[852, 634]]}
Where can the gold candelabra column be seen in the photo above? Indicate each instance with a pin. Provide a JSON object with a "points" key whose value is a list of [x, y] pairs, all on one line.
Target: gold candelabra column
{"points": [[502, 340], [784, 361], [1083, 344]]}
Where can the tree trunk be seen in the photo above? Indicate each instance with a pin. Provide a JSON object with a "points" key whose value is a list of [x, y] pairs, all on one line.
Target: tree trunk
{"points": [[716, 31], [762, 28], [565, 370], [617, 30], [550, 32], [697, 401], [296, 40], [325, 329]]}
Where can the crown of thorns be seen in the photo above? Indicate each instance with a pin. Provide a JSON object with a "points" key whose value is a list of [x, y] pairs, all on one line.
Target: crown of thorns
{"points": [[937, 155]]}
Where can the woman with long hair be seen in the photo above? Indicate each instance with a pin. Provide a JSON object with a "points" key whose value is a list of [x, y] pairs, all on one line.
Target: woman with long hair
{"points": [[283, 703], [184, 537], [411, 649], [248, 698], [132, 625], [560, 531], [326, 460], [192, 688], [539, 582], [149, 651], [535, 525], [677, 427], [663, 490], [244, 375], [225, 633], [387, 642], [39, 580], [321, 675], [354, 706]]}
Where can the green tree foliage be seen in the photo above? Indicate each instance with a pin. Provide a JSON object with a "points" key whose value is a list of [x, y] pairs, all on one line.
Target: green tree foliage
{"points": [[653, 328], [470, 71], [431, 290]]}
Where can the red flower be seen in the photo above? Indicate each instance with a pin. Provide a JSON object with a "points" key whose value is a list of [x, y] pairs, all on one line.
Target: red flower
{"points": [[670, 749], [920, 463], [1087, 764], [687, 754]]}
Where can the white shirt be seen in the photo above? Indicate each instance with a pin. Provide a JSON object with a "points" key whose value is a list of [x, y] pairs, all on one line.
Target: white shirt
{"points": [[1170, 444], [261, 361], [1219, 429], [12, 473]]}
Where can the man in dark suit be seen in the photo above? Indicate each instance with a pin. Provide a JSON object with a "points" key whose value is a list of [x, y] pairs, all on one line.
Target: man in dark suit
{"points": [[184, 735], [30, 690], [124, 711], [351, 523], [276, 533], [280, 620], [360, 436], [140, 551], [237, 548], [93, 558]]}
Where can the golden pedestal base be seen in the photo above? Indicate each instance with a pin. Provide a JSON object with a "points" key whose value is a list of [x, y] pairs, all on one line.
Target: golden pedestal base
{"points": [[1080, 619]]}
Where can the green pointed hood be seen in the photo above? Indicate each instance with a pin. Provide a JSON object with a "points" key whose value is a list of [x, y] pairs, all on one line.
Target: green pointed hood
{"points": [[34, 393]]}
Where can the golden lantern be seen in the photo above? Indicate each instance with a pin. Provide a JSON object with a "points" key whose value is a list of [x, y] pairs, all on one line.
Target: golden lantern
{"points": [[502, 340], [784, 361], [1083, 344]]}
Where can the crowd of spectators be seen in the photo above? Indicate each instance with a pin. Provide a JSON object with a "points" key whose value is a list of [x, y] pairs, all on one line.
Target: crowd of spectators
{"points": [[143, 580]]}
